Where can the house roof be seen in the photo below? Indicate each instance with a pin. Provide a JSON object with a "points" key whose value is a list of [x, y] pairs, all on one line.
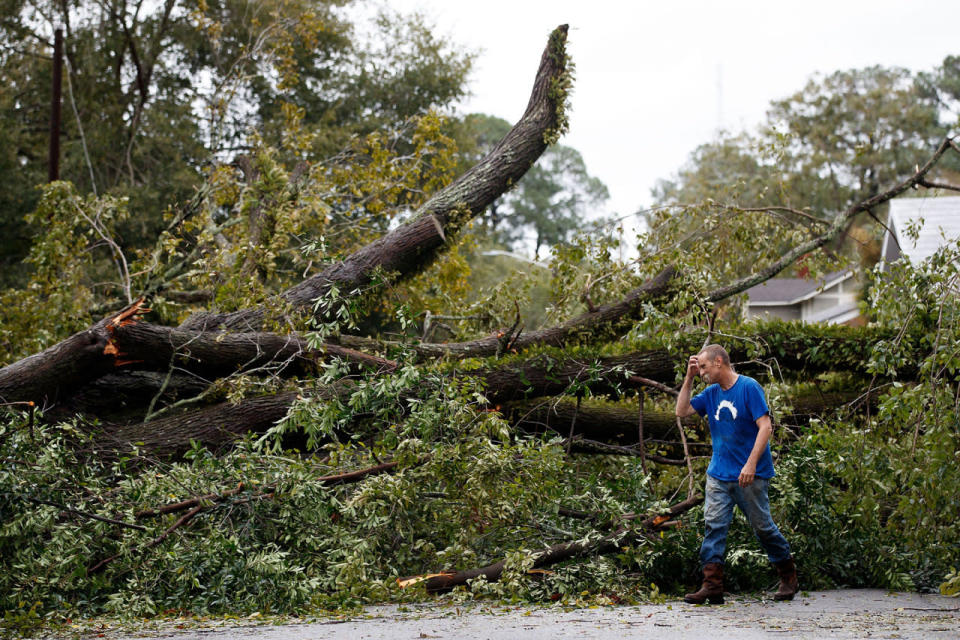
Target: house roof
{"points": [[781, 291], [941, 223]]}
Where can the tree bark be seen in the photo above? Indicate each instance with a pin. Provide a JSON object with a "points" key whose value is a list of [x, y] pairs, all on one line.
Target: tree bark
{"points": [[610, 423], [214, 355], [545, 375], [616, 423], [213, 427]]}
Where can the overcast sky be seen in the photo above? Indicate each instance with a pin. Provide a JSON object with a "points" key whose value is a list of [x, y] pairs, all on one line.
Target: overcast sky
{"points": [[656, 79]]}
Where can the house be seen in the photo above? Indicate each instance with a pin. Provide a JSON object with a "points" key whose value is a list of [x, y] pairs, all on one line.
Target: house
{"points": [[831, 299], [941, 224]]}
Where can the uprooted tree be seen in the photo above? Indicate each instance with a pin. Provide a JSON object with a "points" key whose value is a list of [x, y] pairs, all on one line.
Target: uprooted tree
{"points": [[300, 443]]}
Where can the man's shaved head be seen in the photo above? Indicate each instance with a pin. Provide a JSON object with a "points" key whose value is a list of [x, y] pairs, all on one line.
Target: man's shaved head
{"points": [[714, 351]]}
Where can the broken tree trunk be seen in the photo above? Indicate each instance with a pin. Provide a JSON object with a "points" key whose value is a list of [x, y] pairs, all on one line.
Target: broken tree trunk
{"points": [[616, 424], [55, 372], [609, 423], [123, 341]]}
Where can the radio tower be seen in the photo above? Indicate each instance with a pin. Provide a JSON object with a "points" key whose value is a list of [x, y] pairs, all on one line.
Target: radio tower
{"points": [[719, 97]]}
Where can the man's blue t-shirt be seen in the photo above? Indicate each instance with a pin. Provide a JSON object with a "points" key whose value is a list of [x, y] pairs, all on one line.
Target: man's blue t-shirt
{"points": [[733, 427]]}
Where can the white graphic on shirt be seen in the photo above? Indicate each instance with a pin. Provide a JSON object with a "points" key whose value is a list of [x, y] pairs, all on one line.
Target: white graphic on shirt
{"points": [[728, 405]]}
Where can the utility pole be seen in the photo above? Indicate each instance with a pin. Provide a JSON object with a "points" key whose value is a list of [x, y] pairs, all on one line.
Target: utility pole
{"points": [[54, 155]]}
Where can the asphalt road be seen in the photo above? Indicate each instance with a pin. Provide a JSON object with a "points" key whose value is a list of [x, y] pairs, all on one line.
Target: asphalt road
{"points": [[838, 614]]}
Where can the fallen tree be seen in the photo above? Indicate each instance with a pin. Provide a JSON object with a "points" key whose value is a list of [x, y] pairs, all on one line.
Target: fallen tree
{"points": [[538, 377]]}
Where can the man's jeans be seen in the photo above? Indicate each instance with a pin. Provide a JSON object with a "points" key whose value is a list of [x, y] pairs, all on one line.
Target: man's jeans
{"points": [[718, 513]]}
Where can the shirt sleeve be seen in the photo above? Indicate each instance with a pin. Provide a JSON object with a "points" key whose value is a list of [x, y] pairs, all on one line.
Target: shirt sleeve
{"points": [[699, 404], [756, 402]]}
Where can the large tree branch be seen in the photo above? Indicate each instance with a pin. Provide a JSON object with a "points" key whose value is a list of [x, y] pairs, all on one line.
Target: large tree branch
{"points": [[440, 583], [215, 355], [53, 373], [411, 247], [589, 323], [516, 381], [616, 423]]}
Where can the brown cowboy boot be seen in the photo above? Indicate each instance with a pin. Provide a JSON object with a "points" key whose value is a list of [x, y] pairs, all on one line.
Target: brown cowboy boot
{"points": [[789, 584], [712, 588]]}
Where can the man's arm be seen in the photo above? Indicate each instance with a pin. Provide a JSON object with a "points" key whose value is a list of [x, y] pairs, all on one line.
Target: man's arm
{"points": [[684, 408], [764, 431]]}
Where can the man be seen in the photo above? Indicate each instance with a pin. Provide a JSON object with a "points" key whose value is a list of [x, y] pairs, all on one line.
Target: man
{"points": [[739, 471]]}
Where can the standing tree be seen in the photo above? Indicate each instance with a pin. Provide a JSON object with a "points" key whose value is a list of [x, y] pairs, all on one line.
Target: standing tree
{"points": [[840, 138], [729, 170], [154, 91], [853, 132]]}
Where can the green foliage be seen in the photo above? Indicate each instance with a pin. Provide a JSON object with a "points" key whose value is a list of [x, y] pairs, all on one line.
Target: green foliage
{"points": [[152, 93], [250, 230], [461, 498], [72, 257], [498, 284], [732, 169], [717, 243], [944, 85], [853, 133], [891, 476], [951, 584], [586, 268], [886, 504], [560, 86]]}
